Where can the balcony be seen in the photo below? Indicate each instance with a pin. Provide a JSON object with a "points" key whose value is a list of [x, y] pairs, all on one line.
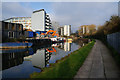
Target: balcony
{"points": [[47, 24], [47, 21]]}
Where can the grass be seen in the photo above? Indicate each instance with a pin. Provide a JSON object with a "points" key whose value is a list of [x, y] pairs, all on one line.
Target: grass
{"points": [[66, 67]]}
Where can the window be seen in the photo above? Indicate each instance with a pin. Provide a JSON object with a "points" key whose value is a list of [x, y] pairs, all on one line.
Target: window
{"points": [[6, 26], [20, 33], [13, 27], [11, 34], [19, 27]]}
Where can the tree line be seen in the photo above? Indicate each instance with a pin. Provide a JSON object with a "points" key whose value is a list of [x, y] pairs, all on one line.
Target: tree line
{"points": [[109, 27]]}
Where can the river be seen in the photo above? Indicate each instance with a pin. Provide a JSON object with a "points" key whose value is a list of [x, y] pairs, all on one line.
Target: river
{"points": [[20, 63]]}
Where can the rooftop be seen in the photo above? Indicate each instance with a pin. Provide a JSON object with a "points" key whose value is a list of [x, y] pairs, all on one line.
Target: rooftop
{"points": [[38, 10]]}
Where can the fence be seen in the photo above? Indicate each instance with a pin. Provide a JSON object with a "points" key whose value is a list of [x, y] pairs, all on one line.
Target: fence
{"points": [[114, 41]]}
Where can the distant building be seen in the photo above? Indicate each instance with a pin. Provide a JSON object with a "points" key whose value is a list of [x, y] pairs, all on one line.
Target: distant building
{"points": [[25, 21], [11, 30], [67, 30], [61, 31], [55, 26], [87, 29], [41, 21], [84, 29]]}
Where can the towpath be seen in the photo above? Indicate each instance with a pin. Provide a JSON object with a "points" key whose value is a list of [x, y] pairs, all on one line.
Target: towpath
{"points": [[99, 64]]}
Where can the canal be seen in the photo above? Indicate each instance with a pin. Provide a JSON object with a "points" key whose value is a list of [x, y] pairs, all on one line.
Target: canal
{"points": [[20, 63]]}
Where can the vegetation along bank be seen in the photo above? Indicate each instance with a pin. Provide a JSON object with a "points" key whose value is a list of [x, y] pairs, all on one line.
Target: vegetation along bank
{"points": [[66, 67]]}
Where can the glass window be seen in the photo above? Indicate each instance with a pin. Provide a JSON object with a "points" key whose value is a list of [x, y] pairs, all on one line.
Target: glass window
{"points": [[13, 27], [11, 34], [19, 27], [6, 26]]}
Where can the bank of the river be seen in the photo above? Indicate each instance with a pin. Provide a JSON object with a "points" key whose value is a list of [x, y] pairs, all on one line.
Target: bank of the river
{"points": [[66, 67]]}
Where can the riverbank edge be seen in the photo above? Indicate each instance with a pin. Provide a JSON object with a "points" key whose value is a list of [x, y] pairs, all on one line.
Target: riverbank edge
{"points": [[68, 66]]}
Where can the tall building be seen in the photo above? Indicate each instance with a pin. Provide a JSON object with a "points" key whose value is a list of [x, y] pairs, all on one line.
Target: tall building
{"points": [[41, 21], [61, 31], [67, 30], [84, 29], [25, 21]]}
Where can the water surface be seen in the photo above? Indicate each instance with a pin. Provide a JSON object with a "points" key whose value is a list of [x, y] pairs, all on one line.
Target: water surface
{"points": [[20, 63]]}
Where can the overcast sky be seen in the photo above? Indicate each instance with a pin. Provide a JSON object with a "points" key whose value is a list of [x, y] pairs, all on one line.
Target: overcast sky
{"points": [[73, 13]]}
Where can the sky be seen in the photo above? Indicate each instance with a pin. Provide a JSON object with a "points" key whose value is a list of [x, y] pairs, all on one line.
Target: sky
{"points": [[66, 13]]}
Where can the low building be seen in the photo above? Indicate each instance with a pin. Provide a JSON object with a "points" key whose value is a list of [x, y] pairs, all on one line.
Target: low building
{"points": [[11, 30], [25, 21]]}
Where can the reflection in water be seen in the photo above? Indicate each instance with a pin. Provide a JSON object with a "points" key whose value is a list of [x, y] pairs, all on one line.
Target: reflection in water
{"points": [[41, 58], [20, 63], [67, 46], [13, 58]]}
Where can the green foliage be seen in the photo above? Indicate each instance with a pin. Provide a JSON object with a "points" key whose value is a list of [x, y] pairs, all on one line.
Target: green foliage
{"points": [[66, 67], [111, 26]]}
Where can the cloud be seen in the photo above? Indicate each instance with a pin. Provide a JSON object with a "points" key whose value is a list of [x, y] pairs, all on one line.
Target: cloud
{"points": [[83, 13], [74, 13], [15, 9]]}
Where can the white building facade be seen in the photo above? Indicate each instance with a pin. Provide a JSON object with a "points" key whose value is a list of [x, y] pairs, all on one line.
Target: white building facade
{"points": [[25, 21], [67, 30], [41, 21]]}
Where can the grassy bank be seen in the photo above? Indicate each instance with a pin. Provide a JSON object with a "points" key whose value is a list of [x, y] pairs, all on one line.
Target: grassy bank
{"points": [[66, 67]]}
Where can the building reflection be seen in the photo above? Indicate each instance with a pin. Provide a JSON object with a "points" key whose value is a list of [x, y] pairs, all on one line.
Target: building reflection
{"points": [[67, 46], [42, 56], [13, 57], [39, 56]]}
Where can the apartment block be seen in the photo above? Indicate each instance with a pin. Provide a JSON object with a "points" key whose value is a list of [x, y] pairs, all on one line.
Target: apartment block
{"points": [[41, 21], [67, 30], [25, 21], [11, 30]]}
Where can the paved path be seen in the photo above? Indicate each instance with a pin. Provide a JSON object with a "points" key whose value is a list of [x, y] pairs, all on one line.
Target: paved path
{"points": [[99, 64]]}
